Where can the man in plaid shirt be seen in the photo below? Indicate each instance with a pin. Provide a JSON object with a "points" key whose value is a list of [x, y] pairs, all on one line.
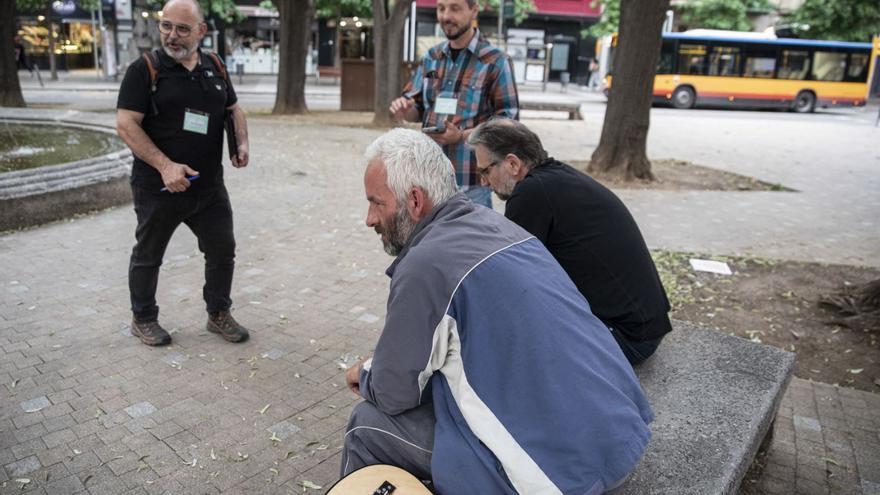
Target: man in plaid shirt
{"points": [[460, 84]]}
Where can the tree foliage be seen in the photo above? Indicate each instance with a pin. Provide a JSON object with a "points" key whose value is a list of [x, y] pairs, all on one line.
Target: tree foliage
{"points": [[608, 22], [844, 20], [521, 8], [330, 9], [715, 14], [705, 14]]}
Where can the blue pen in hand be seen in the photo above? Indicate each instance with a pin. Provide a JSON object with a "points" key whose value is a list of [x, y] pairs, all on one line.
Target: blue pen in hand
{"points": [[190, 178]]}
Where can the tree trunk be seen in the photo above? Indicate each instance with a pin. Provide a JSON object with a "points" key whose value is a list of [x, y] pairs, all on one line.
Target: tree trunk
{"points": [[388, 44], [296, 32], [10, 89], [622, 147], [53, 61]]}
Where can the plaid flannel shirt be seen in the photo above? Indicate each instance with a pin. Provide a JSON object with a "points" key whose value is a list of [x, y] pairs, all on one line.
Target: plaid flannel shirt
{"points": [[486, 89]]}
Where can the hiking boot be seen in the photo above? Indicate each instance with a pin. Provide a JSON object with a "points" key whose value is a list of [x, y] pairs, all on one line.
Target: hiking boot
{"points": [[150, 332], [223, 323]]}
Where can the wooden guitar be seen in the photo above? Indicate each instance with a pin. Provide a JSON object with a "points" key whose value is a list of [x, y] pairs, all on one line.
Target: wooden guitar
{"points": [[379, 479]]}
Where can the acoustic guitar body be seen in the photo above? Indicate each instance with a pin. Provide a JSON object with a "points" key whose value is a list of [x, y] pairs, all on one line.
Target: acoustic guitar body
{"points": [[379, 479]]}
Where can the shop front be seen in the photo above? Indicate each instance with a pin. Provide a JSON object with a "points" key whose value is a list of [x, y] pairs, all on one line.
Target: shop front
{"points": [[76, 33]]}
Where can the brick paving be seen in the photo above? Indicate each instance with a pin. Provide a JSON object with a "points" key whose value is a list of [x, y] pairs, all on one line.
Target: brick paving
{"points": [[85, 408]]}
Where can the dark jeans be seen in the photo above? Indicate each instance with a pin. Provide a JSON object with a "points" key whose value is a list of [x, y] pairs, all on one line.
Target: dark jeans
{"points": [[635, 352], [209, 216]]}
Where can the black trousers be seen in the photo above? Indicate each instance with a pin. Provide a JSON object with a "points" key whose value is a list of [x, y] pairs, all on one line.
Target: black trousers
{"points": [[209, 217]]}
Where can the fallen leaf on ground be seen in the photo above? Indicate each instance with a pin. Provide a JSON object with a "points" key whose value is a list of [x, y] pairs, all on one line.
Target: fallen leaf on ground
{"points": [[855, 371], [266, 407], [308, 484], [213, 457]]}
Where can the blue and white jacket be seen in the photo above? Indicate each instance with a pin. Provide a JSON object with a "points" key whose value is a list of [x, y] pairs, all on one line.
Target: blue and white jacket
{"points": [[531, 393]]}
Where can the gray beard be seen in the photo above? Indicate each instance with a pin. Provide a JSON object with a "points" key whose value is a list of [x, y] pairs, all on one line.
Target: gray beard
{"points": [[400, 233], [179, 54]]}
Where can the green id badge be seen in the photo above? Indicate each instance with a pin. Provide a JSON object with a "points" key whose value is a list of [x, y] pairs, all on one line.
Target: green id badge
{"points": [[195, 121]]}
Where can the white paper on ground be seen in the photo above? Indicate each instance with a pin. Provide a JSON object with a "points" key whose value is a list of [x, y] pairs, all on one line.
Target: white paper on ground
{"points": [[718, 267]]}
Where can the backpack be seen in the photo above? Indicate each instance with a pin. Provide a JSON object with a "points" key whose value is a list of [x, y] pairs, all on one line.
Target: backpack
{"points": [[153, 66]]}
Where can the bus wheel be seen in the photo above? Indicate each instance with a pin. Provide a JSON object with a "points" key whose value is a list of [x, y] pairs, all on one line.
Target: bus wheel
{"points": [[683, 97], [804, 102]]}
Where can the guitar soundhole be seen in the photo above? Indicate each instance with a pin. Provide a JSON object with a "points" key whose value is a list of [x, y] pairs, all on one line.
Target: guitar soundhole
{"points": [[385, 488]]}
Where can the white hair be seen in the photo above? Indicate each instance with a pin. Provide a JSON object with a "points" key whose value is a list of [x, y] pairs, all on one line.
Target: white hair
{"points": [[413, 159]]}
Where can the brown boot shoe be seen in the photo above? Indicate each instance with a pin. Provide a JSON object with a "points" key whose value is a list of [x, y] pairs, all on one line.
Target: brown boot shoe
{"points": [[150, 332], [224, 324]]}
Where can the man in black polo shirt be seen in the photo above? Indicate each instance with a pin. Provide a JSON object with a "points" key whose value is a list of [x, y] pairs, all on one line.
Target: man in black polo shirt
{"points": [[171, 112], [584, 226]]}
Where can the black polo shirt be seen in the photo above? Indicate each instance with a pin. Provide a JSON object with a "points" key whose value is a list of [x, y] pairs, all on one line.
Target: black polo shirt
{"points": [[592, 235], [202, 90]]}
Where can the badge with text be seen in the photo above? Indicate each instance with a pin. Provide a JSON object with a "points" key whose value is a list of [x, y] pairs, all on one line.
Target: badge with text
{"points": [[195, 121], [446, 105]]}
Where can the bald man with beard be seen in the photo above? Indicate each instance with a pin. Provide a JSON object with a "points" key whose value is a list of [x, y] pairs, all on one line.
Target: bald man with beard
{"points": [[171, 111]]}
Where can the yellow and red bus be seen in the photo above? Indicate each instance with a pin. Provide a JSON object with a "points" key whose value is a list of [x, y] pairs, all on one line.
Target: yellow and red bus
{"points": [[704, 67]]}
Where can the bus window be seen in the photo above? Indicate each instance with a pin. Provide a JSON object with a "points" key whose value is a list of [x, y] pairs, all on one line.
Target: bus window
{"points": [[828, 66], [724, 61], [793, 64], [692, 59], [667, 57], [760, 62], [857, 70]]}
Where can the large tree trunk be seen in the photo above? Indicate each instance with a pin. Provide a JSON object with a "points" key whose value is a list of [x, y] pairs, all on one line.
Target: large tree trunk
{"points": [[53, 60], [388, 44], [10, 89], [622, 147], [296, 32]]}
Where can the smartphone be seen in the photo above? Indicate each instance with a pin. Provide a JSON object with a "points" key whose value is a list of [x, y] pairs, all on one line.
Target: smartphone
{"points": [[434, 130]]}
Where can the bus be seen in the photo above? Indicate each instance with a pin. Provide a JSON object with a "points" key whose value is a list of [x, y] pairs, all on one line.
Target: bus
{"points": [[730, 68]]}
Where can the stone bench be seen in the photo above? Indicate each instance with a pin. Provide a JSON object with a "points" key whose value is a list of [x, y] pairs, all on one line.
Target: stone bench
{"points": [[573, 109], [715, 398]]}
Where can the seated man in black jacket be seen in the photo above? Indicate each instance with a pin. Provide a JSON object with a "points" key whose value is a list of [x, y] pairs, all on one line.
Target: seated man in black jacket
{"points": [[584, 226]]}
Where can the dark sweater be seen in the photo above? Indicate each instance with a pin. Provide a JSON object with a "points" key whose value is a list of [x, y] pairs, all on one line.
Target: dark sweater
{"points": [[593, 236]]}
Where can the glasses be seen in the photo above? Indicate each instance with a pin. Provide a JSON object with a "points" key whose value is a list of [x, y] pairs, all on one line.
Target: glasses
{"points": [[484, 172], [183, 30]]}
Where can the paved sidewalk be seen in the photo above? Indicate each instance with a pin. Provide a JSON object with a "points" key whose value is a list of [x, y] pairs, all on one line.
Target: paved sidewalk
{"points": [[203, 416]]}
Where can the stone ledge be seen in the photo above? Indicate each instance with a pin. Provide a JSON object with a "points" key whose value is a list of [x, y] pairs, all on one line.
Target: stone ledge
{"points": [[715, 397]]}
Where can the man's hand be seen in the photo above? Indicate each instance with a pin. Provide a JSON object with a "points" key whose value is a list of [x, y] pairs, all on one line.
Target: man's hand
{"points": [[451, 135], [174, 176], [403, 108], [353, 378], [242, 158]]}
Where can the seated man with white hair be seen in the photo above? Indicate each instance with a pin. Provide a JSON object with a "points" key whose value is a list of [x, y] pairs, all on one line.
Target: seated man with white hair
{"points": [[490, 375]]}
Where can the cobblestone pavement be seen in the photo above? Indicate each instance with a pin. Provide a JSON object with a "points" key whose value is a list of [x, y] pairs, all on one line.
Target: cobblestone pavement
{"points": [[84, 407]]}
